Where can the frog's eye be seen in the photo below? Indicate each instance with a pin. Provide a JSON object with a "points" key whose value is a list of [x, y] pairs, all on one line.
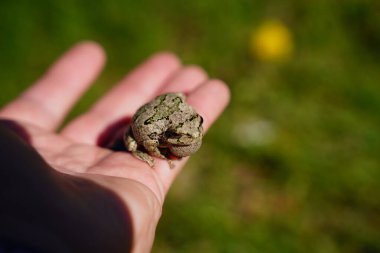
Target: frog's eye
{"points": [[201, 119], [172, 135], [153, 136]]}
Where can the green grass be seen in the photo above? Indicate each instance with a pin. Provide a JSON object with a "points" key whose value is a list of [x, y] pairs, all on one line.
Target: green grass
{"points": [[293, 165]]}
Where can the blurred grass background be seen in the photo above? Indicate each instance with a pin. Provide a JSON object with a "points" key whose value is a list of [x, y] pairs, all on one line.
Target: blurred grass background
{"points": [[293, 164]]}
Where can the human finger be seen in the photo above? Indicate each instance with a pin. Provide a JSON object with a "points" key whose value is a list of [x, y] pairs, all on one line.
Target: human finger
{"points": [[185, 80], [137, 88], [46, 103], [209, 100]]}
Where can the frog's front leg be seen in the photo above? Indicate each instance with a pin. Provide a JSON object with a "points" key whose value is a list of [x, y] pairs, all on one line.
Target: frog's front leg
{"points": [[152, 147], [132, 147]]}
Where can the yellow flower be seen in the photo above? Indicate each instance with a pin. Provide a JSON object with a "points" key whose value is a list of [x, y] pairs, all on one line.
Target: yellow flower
{"points": [[272, 41]]}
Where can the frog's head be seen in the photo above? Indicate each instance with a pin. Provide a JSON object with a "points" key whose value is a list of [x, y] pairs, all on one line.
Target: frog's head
{"points": [[186, 133], [186, 138]]}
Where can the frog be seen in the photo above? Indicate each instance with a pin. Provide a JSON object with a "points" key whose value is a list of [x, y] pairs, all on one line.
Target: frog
{"points": [[166, 128]]}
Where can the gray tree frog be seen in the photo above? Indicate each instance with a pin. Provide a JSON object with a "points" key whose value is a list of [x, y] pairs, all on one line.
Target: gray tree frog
{"points": [[163, 128]]}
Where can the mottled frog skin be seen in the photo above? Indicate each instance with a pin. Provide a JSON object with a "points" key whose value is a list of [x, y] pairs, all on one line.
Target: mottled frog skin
{"points": [[164, 127]]}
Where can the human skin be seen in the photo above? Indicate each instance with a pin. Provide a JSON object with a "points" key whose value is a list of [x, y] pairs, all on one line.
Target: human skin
{"points": [[74, 150]]}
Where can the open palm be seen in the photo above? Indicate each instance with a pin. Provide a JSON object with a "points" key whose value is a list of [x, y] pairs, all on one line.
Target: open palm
{"points": [[75, 150]]}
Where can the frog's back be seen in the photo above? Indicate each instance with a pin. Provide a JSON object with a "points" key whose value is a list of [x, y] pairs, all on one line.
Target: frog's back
{"points": [[152, 119]]}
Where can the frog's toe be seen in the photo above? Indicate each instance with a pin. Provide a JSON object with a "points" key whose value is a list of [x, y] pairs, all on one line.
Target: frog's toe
{"points": [[144, 157]]}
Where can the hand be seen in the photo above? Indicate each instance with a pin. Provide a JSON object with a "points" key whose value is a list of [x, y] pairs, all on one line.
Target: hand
{"points": [[74, 150]]}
